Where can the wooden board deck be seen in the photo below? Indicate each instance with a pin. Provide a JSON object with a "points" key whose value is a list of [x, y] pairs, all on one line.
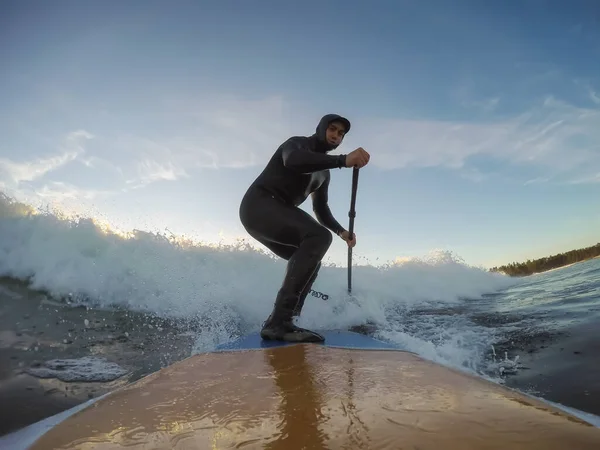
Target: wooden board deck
{"points": [[317, 397]]}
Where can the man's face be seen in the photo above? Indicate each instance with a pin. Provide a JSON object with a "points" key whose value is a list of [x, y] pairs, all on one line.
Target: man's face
{"points": [[335, 133]]}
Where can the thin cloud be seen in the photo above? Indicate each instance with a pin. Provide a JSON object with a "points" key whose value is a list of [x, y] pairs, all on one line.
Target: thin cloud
{"points": [[17, 172], [149, 171], [553, 136], [588, 89], [60, 191], [142, 161], [537, 180], [555, 139], [588, 179], [215, 133], [229, 132]]}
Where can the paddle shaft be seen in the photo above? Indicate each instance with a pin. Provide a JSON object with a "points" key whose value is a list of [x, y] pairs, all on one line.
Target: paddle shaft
{"points": [[352, 215]]}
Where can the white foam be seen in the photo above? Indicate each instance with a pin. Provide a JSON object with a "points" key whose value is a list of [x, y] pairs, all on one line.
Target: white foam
{"points": [[5, 292], [230, 290], [85, 369]]}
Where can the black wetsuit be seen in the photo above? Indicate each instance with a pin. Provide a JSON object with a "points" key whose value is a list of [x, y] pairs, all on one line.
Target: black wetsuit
{"points": [[270, 214]]}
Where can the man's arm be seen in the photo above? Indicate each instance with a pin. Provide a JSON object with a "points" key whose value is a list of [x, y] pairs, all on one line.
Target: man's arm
{"points": [[299, 158], [321, 208]]}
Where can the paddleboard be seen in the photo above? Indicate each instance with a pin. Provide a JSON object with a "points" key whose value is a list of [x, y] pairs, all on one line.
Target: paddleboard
{"points": [[349, 392]]}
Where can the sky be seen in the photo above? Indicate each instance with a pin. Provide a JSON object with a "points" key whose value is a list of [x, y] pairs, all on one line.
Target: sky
{"points": [[482, 119]]}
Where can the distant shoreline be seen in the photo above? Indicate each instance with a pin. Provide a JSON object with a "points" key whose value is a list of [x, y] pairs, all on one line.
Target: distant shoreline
{"points": [[554, 268], [548, 263]]}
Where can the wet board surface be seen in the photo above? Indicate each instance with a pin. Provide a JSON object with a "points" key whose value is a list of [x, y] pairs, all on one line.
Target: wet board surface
{"points": [[256, 395]]}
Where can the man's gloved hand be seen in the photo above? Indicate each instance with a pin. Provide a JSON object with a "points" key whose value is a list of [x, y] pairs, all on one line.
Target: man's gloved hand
{"points": [[345, 235]]}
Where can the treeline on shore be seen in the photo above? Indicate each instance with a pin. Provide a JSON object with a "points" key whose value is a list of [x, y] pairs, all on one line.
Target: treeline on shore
{"points": [[549, 262]]}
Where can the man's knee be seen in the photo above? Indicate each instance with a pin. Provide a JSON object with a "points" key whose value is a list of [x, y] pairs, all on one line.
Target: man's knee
{"points": [[329, 237], [324, 238], [317, 268]]}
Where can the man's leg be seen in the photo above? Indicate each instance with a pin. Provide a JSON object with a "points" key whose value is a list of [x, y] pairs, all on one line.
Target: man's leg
{"points": [[272, 222], [307, 288], [300, 270], [286, 252]]}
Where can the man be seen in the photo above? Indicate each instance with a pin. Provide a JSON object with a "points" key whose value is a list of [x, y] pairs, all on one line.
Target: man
{"points": [[270, 214]]}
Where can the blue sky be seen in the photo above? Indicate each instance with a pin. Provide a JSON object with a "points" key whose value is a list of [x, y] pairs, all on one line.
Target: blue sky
{"points": [[482, 118]]}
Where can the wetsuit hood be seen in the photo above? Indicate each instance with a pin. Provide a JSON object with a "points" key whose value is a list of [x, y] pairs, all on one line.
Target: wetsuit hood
{"points": [[321, 136]]}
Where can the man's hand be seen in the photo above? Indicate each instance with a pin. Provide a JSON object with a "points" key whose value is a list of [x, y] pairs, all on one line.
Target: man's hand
{"points": [[357, 158], [345, 235]]}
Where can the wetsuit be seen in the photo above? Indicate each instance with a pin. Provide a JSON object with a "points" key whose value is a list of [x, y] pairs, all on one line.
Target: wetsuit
{"points": [[270, 214]]}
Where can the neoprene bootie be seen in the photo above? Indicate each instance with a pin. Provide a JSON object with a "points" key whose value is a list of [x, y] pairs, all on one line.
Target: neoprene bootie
{"points": [[287, 331]]}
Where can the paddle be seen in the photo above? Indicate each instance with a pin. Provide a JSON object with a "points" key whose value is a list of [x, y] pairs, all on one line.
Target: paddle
{"points": [[352, 215]]}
